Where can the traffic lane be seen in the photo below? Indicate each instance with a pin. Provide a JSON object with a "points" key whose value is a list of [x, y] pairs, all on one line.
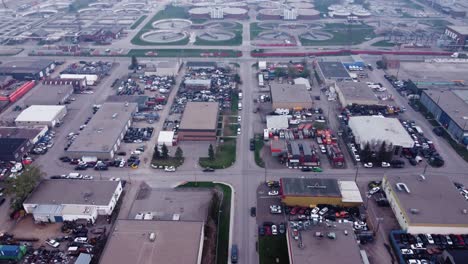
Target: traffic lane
{"points": [[264, 201]]}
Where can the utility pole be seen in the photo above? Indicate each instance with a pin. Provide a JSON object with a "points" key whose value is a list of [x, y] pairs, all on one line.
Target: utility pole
{"points": [[357, 172]]}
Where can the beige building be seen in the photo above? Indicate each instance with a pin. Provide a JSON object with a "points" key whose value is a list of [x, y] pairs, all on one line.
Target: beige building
{"points": [[359, 93], [199, 121], [290, 96]]}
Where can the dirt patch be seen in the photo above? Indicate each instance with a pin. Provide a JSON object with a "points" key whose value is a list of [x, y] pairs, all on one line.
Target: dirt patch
{"points": [[26, 229]]}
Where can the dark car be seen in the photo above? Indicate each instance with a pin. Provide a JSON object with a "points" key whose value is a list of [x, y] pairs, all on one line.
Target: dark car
{"points": [[2, 200], [122, 153], [234, 254], [413, 161], [397, 164], [252, 144], [65, 159], [261, 231], [208, 170], [282, 228], [101, 167], [439, 131], [56, 177], [253, 211], [81, 167], [305, 169]]}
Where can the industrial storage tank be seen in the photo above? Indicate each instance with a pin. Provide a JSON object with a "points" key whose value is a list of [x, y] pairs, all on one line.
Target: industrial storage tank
{"points": [[308, 14], [361, 13], [340, 13], [268, 5], [270, 14], [235, 12], [301, 5], [199, 12]]}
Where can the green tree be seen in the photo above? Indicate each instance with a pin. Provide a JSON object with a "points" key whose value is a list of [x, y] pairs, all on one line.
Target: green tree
{"points": [[366, 153], [237, 78], [134, 64], [164, 152], [179, 154], [156, 153], [292, 72], [211, 153], [280, 72], [21, 186]]}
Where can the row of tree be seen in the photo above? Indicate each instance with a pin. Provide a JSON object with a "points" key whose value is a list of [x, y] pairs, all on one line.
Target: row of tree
{"points": [[384, 153], [164, 152]]}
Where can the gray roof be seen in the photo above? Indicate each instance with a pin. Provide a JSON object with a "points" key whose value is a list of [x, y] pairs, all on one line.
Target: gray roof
{"points": [[62, 192], [201, 64], [48, 94], [453, 102], [104, 129], [463, 30], [333, 69], [139, 99], [175, 242], [83, 258], [310, 187], [343, 249], [290, 93], [357, 92], [436, 200], [25, 66], [200, 116], [277, 121], [20, 132]]}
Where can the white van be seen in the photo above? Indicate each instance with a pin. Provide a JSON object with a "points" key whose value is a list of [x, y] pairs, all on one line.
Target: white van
{"points": [[239, 106]]}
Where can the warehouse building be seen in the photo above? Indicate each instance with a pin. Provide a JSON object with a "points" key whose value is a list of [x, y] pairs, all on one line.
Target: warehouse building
{"points": [[309, 192], [166, 138], [450, 109], [199, 121], [102, 136], [27, 69], [290, 96], [141, 242], [376, 129], [13, 149], [68, 200], [49, 95], [162, 68], [332, 71], [33, 134], [459, 34], [427, 204], [276, 122], [359, 93], [41, 115]]}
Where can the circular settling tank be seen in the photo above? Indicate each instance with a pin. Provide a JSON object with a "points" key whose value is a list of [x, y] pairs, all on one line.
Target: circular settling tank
{"points": [[217, 35], [316, 35], [163, 36], [172, 24]]}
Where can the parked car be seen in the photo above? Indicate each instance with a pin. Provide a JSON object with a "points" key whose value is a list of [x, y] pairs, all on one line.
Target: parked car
{"points": [[52, 243], [234, 254], [368, 165], [253, 211], [208, 170], [274, 230], [169, 169], [273, 193]]}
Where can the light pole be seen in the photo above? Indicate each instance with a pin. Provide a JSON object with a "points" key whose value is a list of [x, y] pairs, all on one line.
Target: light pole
{"points": [[357, 172]]}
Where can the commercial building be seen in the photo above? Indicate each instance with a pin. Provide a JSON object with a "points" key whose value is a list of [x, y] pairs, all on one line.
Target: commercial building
{"points": [[13, 149], [374, 130], [199, 121], [303, 81], [41, 115], [162, 68], [450, 109], [359, 93], [275, 122], [27, 69], [309, 192], [332, 71], [166, 138], [427, 204], [141, 242], [290, 96], [459, 34], [342, 249], [68, 200], [197, 84], [102, 136], [49, 95], [33, 134]]}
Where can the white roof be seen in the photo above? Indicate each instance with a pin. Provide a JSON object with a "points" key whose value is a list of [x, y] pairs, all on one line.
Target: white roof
{"points": [[303, 81], [376, 129], [277, 121], [350, 192], [262, 65], [40, 113], [165, 136]]}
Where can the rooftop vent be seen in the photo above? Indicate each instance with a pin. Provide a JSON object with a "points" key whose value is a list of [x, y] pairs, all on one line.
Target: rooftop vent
{"points": [[401, 186], [414, 211]]}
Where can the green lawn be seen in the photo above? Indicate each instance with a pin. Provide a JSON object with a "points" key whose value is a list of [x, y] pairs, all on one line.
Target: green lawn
{"points": [[255, 30], [322, 5], [171, 161], [169, 12], [235, 103], [225, 156], [183, 53], [273, 248], [383, 43], [258, 148], [138, 22], [223, 225], [236, 41], [342, 35]]}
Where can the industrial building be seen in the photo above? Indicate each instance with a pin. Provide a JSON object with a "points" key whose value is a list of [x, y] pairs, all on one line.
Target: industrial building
{"points": [[166, 138], [342, 249], [162, 68], [450, 109], [276, 122], [427, 204], [49, 95], [290, 96], [13, 149], [309, 192], [374, 130], [459, 34], [69, 200], [199, 121], [41, 115], [102, 136], [359, 93], [197, 84], [141, 242], [27, 69], [332, 71], [33, 134]]}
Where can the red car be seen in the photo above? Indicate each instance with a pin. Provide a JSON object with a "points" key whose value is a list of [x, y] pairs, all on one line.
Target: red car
{"points": [[268, 230], [294, 210]]}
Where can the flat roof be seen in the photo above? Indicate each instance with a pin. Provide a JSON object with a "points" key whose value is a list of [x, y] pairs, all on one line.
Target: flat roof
{"points": [[310, 187], [435, 198], [44, 94], [200, 116], [175, 242], [10, 145], [20, 132], [25, 66], [377, 129], [357, 92], [40, 113], [201, 64], [343, 249], [104, 129], [333, 69], [91, 192], [453, 102], [290, 93], [350, 192], [460, 29], [277, 121]]}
